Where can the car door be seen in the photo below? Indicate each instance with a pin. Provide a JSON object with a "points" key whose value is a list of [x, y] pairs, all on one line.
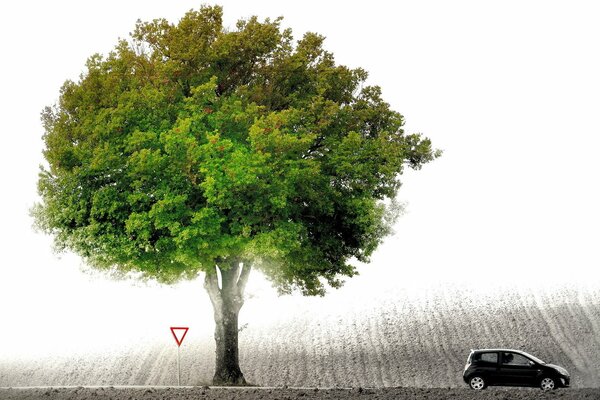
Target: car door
{"points": [[486, 364], [516, 369]]}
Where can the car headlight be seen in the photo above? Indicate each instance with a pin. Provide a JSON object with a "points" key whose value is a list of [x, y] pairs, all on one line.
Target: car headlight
{"points": [[562, 371]]}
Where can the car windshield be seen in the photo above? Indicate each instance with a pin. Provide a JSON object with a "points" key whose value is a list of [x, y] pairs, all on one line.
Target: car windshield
{"points": [[534, 358]]}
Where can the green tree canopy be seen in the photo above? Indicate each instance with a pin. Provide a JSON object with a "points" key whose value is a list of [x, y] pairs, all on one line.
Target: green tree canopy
{"points": [[191, 146]]}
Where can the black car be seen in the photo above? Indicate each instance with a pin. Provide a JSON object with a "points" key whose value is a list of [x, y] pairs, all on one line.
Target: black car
{"points": [[506, 367]]}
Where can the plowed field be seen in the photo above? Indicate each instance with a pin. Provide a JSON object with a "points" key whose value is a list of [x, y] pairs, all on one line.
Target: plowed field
{"points": [[408, 339], [200, 393]]}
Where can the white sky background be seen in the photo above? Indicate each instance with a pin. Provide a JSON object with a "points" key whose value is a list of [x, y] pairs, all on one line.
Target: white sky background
{"points": [[509, 90]]}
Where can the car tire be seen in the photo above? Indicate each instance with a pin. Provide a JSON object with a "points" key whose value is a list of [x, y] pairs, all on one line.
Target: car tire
{"points": [[547, 384], [477, 382]]}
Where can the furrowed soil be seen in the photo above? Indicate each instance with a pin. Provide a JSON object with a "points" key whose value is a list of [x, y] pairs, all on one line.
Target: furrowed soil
{"points": [[200, 393], [399, 339]]}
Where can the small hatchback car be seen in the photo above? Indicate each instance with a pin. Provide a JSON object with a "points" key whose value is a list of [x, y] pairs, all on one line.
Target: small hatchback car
{"points": [[506, 367]]}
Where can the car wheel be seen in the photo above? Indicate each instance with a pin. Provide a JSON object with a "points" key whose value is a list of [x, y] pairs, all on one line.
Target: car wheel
{"points": [[547, 384], [477, 383]]}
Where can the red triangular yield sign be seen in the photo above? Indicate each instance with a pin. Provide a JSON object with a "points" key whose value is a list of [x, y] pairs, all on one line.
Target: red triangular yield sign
{"points": [[179, 330]]}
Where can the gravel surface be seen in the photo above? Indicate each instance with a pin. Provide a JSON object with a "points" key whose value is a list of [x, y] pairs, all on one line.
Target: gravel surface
{"points": [[205, 393]]}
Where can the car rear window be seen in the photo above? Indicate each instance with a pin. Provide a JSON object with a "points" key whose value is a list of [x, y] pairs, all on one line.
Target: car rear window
{"points": [[489, 357]]}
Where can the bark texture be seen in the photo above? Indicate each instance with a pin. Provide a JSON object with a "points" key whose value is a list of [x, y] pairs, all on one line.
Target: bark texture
{"points": [[227, 300]]}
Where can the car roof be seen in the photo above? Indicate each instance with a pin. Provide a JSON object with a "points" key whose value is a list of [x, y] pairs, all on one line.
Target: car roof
{"points": [[496, 350]]}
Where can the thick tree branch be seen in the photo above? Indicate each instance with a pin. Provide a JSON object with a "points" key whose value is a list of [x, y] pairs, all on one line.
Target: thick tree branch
{"points": [[243, 279], [211, 284], [229, 276]]}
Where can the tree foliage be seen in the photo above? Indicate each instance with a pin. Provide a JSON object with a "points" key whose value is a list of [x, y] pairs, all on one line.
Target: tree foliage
{"points": [[190, 144]]}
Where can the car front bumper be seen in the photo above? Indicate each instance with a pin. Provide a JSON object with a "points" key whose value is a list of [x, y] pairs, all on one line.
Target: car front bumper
{"points": [[565, 381]]}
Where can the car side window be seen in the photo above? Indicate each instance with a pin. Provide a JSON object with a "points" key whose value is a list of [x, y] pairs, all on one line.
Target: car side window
{"points": [[491, 358], [514, 359]]}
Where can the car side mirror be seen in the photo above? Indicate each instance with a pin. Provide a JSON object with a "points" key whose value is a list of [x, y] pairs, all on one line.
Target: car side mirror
{"points": [[531, 363]]}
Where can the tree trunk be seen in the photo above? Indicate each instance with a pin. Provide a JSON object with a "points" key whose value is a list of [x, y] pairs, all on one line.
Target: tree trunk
{"points": [[227, 299]]}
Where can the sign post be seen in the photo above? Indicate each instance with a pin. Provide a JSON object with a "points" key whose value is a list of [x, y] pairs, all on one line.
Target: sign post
{"points": [[179, 340]]}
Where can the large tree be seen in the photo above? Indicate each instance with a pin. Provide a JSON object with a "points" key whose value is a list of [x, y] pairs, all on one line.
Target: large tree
{"points": [[194, 149]]}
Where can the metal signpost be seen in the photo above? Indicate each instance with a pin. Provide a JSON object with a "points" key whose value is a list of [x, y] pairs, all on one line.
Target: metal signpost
{"points": [[179, 341]]}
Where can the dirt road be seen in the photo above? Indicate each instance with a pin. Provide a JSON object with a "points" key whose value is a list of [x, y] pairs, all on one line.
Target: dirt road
{"points": [[205, 393]]}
